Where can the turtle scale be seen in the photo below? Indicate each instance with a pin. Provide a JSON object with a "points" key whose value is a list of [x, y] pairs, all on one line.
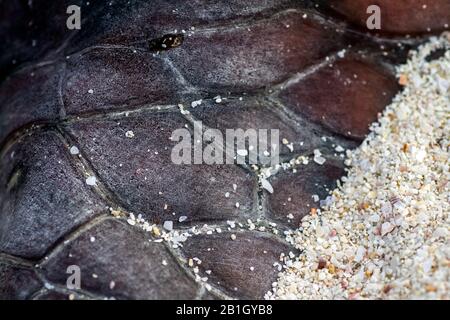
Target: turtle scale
{"points": [[278, 64]]}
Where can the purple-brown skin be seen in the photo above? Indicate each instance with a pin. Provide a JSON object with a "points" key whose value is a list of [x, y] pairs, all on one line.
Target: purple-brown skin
{"points": [[263, 51]]}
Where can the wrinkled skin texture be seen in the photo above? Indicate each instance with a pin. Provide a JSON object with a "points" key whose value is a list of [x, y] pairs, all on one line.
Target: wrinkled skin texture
{"points": [[281, 57]]}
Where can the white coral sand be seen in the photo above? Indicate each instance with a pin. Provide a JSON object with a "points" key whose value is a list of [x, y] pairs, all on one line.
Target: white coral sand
{"points": [[385, 234]]}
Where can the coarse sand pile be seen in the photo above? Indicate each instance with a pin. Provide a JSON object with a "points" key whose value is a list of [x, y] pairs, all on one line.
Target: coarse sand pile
{"points": [[384, 233]]}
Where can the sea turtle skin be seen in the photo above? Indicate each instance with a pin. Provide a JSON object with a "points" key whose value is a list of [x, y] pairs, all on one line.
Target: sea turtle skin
{"points": [[276, 64]]}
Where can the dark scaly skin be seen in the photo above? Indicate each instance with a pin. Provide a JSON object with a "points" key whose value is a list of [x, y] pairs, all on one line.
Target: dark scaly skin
{"points": [[268, 54]]}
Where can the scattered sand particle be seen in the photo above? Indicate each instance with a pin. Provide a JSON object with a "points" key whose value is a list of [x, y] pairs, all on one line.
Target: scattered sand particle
{"points": [[196, 103], [74, 150], [403, 80], [91, 181], [318, 157], [242, 152], [266, 185], [168, 225]]}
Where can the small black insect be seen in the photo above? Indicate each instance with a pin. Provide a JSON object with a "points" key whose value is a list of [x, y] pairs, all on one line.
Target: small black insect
{"points": [[166, 42]]}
